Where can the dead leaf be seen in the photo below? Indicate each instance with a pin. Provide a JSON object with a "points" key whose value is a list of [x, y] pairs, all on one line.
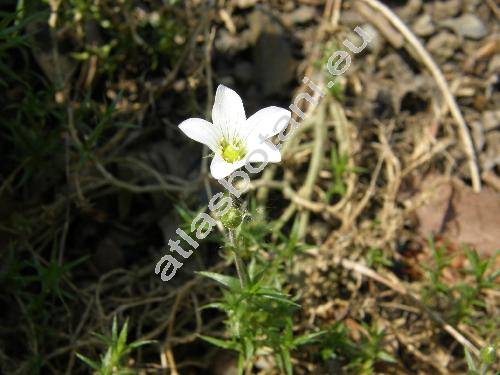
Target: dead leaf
{"points": [[437, 196], [475, 219], [460, 216]]}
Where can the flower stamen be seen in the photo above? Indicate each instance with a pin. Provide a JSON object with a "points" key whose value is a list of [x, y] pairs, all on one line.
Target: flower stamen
{"points": [[233, 151]]}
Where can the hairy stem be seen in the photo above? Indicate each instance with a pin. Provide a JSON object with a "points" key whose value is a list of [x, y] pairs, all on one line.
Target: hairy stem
{"points": [[238, 261]]}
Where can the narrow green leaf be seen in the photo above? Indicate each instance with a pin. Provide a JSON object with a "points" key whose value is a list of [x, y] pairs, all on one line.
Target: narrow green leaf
{"points": [[241, 364], [107, 360], [75, 263], [308, 338], [122, 339], [220, 343], [279, 298], [470, 362], [386, 357], [231, 282], [88, 361], [215, 305], [287, 361], [106, 340], [493, 276], [137, 344], [114, 330]]}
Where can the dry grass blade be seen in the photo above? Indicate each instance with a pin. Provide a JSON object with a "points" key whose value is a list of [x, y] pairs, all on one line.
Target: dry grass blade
{"points": [[397, 286]]}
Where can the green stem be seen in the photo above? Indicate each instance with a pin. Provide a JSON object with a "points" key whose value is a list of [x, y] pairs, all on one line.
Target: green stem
{"points": [[238, 261], [248, 369]]}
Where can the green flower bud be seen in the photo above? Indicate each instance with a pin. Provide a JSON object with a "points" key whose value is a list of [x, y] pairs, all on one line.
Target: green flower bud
{"points": [[488, 355], [232, 218]]}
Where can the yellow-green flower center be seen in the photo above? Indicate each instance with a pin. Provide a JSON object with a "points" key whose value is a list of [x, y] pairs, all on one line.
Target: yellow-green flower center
{"points": [[232, 151]]}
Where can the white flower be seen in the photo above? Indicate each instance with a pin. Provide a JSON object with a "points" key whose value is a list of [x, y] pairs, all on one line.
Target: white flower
{"points": [[234, 139]]}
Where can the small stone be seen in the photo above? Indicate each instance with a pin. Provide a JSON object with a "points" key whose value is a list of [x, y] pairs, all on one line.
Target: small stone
{"points": [[490, 157], [443, 45], [180, 85], [471, 5], [491, 120], [494, 64], [423, 26], [244, 4], [468, 25], [443, 9], [179, 39], [410, 9], [376, 42], [229, 44], [301, 15], [274, 63]]}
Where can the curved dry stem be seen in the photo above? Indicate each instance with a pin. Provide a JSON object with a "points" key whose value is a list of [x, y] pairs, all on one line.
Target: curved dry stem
{"points": [[314, 168]]}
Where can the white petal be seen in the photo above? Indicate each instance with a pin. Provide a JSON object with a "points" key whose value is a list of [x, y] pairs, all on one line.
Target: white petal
{"points": [[266, 123], [201, 131], [228, 113], [265, 152], [220, 168]]}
